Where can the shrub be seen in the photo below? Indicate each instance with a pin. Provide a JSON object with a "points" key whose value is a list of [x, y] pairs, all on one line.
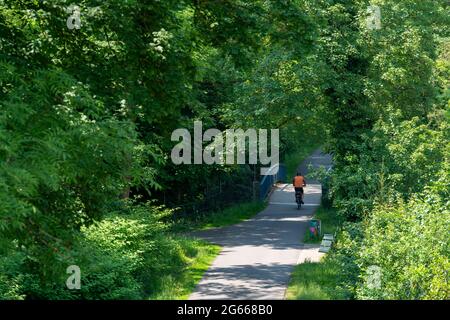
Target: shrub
{"points": [[122, 257], [409, 243]]}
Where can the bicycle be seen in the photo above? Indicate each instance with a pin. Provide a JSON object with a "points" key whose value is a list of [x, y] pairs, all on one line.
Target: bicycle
{"points": [[298, 199]]}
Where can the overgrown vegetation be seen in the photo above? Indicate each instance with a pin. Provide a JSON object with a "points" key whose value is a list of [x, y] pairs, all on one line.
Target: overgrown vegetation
{"points": [[391, 148], [389, 135], [128, 255], [86, 117]]}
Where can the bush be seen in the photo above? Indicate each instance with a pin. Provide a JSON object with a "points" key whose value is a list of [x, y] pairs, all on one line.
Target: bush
{"points": [[397, 195], [409, 243], [10, 283], [63, 160], [122, 257]]}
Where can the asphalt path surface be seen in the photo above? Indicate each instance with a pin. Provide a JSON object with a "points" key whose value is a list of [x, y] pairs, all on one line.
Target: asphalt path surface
{"points": [[258, 255]]}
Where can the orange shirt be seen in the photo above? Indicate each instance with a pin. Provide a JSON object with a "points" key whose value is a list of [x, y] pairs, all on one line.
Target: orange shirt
{"points": [[299, 182]]}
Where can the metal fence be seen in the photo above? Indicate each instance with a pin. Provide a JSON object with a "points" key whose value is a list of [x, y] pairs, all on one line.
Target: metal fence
{"points": [[268, 181], [214, 195]]}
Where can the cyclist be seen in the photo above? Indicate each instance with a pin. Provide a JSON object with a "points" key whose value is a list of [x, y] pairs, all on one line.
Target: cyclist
{"points": [[299, 182]]}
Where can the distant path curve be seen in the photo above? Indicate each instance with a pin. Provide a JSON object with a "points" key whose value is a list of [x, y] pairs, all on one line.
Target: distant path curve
{"points": [[259, 254]]}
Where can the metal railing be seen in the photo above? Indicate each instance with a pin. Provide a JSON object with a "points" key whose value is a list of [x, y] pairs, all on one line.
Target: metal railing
{"points": [[268, 181]]}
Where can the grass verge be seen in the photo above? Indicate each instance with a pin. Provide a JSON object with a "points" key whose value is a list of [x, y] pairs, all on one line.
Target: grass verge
{"points": [[199, 255], [228, 216], [330, 222], [232, 215], [315, 281], [319, 280]]}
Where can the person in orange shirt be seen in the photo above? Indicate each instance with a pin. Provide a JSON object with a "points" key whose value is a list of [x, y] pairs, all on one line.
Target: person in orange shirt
{"points": [[299, 182]]}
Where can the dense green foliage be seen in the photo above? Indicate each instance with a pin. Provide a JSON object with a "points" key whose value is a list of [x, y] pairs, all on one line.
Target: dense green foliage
{"points": [[86, 117], [127, 255], [391, 148]]}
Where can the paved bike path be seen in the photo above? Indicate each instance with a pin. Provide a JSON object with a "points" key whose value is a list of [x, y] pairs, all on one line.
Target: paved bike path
{"points": [[258, 255]]}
